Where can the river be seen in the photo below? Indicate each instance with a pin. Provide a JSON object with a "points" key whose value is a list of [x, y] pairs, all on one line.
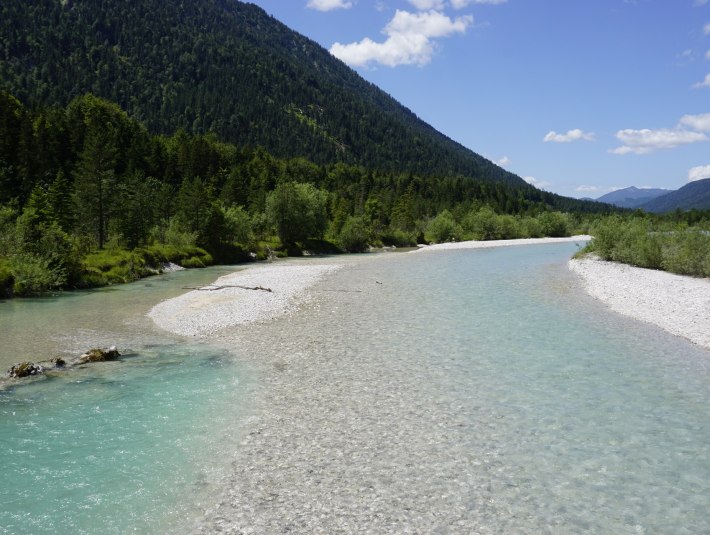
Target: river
{"points": [[452, 392]]}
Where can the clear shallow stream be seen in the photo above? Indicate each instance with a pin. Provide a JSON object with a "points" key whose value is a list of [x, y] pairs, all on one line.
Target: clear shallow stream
{"points": [[576, 420]]}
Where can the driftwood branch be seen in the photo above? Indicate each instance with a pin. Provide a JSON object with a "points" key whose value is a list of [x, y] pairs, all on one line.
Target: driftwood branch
{"points": [[214, 287]]}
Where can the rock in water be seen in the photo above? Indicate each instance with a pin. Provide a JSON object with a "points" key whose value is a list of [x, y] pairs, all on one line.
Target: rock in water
{"points": [[25, 369], [99, 355]]}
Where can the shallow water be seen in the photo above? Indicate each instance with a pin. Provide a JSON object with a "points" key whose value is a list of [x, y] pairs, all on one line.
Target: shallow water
{"points": [[588, 421], [482, 391], [118, 447], [114, 447], [70, 323], [475, 391]]}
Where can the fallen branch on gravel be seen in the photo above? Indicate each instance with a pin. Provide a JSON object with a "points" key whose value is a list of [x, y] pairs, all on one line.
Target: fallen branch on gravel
{"points": [[213, 287]]}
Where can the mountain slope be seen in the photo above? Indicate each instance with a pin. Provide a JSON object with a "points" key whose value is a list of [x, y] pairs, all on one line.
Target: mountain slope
{"points": [[694, 195], [632, 197], [220, 66]]}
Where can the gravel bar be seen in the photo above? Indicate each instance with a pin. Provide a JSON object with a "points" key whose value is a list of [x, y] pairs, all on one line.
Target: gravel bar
{"points": [[676, 303], [229, 302]]}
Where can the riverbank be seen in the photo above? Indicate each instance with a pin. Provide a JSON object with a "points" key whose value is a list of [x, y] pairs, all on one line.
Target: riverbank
{"points": [[264, 292], [675, 303], [256, 294], [472, 244]]}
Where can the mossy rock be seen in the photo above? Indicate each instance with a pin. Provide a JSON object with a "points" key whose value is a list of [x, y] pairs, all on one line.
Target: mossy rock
{"points": [[99, 355], [25, 369]]}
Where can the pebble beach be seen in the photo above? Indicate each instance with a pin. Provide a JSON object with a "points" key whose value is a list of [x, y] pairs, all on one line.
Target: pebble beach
{"points": [[678, 304]]}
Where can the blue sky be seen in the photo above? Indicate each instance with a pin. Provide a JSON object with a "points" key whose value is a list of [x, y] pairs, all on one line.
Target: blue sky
{"points": [[578, 97]]}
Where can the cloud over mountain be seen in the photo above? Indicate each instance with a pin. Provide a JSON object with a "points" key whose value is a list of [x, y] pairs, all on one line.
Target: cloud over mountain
{"points": [[411, 40]]}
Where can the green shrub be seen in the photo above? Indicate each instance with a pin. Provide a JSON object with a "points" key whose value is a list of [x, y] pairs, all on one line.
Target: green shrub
{"points": [[200, 260], [33, 275], [398, 238], [686, 253], [554, 224], [530, 227], [443, 228], [481, 224], [354, 236]]}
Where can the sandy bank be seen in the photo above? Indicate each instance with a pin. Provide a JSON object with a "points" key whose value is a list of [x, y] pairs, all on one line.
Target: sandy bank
{"points": [[204, 312], [678, 304], [500, 243]]}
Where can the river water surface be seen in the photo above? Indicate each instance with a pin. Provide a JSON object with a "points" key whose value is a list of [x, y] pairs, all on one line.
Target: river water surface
{"points": [[517, 405]]}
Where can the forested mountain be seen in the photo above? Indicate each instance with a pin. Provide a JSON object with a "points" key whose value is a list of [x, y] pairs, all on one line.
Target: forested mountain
{"points": [[225, 67], [632, 197], [693, 196]]}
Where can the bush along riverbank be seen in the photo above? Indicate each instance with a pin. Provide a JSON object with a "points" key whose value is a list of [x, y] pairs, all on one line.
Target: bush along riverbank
{"points": [[677, 248]]}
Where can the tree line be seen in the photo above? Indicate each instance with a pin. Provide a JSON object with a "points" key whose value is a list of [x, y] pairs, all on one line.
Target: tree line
{"points": [[678, 242], [89, 196]]}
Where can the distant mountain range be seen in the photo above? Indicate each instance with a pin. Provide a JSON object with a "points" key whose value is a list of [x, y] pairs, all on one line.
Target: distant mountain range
{"points": [[632, 197], [694, 195]]}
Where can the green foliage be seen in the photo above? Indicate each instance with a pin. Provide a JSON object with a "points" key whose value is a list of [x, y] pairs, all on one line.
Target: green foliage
{"points": [[443, 228], [172, 233], [641, 242], [554, 224], [34, 275], [354, 236], [297, 211], [238, 225], [687, 253], [398, 238]]}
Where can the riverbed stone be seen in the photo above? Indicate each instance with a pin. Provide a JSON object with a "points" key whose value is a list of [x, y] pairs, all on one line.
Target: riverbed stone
{"points": [[25, 369], [99, 355]]}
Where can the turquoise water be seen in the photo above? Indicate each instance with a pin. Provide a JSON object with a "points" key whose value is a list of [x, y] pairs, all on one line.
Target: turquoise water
{"points": [[128, 446], [115, 447], [573, 419]]}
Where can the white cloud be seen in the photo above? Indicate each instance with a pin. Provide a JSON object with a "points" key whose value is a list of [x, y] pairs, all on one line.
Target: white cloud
{"points": [[541, 184], [329, 5], [704, 83], [706, 29], [699, 172], [645, 141], [571, 135], [460, 4], [503, 161], [425, 5], [699, 122], [587, 189], [699, 3], [409, 40]]}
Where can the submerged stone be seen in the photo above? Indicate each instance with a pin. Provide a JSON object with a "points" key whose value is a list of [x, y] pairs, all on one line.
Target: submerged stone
{"points": [[25, 369], [99, 355]]}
